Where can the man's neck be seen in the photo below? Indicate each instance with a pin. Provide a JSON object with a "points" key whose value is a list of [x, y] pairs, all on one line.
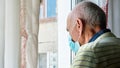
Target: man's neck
{"points": [[89, 34]]}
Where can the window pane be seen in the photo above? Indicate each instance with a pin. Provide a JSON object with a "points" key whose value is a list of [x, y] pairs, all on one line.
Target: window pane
{"points": [[51, 8]]}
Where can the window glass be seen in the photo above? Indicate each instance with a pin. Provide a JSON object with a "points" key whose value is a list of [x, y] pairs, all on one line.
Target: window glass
{"points": [[51, 8]]}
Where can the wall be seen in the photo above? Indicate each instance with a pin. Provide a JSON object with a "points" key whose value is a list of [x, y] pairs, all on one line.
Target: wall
{"points": [[48, 37], [114, 16]]}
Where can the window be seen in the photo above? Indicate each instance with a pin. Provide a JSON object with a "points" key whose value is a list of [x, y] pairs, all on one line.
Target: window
{"points": [[51, 8], [48, 33], [48, 10]]}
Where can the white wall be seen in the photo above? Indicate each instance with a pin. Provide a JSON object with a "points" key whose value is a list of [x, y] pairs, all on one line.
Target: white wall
{"points": [[2, 32], [64, 7], [114, 16], [12, 34], [48, 37]]}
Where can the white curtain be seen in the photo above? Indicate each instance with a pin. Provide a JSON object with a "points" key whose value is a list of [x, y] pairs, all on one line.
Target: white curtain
{"points": [[29, 32], [16, 29], [32, 23]]}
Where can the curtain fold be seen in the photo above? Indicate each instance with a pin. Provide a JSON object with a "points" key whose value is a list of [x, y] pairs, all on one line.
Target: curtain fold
{"points": [[29, 32]]}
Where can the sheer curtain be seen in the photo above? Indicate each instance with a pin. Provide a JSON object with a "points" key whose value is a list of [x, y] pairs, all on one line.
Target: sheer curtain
{"points": [[29, 32], [17, 30]]}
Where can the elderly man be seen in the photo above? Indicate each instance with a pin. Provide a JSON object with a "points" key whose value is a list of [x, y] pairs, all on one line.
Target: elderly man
{"points": [[100, 48]]}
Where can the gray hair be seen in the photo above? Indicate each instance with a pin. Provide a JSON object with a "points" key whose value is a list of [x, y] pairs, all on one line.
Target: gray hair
{"points": [[90, 14]]}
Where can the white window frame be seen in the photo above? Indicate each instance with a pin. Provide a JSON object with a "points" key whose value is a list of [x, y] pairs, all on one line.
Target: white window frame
{"points": [[64, 7]]}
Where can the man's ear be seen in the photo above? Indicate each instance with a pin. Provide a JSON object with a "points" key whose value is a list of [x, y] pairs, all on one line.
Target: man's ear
{"points": [[79, 25]]}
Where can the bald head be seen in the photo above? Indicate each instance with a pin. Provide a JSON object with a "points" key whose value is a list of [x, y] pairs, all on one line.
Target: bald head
{"points": [[89, 13]]}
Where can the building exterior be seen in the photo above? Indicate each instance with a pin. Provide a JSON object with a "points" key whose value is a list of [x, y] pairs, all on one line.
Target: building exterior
{"points": [[48, 35]]}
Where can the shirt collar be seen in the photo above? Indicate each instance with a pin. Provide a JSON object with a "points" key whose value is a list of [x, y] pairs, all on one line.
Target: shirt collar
{"points": [[98, 34]]}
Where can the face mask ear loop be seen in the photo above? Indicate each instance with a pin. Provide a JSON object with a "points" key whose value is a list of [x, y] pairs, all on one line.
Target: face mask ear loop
{"points": [[78, 36]]}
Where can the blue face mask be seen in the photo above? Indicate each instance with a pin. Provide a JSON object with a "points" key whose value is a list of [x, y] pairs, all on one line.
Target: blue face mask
{"points": [[73, 45]]}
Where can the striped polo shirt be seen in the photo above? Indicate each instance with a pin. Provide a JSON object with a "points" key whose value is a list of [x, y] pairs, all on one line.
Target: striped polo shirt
{"points": [[104, 52]]}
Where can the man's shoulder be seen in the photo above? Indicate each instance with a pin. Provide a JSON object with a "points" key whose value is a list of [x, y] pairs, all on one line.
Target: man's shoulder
{"points": [[87, 47], [109, 41]]}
